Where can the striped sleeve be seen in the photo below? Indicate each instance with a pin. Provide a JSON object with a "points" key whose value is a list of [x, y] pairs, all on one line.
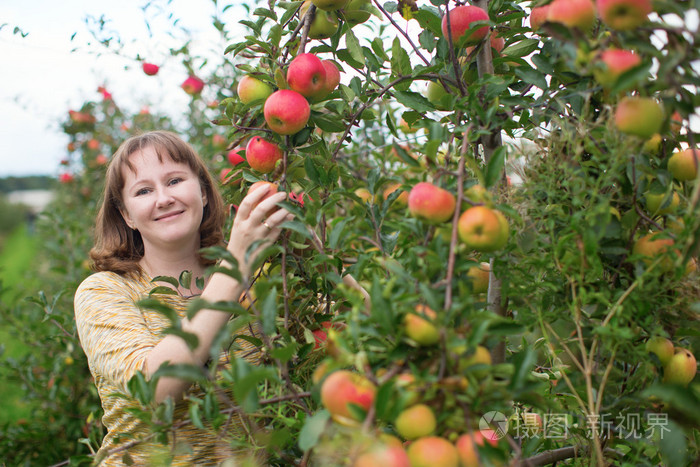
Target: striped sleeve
{"points": [[112, 329]]}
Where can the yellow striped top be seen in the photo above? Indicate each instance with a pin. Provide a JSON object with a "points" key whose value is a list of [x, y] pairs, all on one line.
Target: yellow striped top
{"points": [[117, 336]]}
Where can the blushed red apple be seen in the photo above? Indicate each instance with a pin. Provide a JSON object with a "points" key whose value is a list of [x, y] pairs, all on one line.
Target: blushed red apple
{"points": [[624, 15], [431, 203], [251, 89], [461, 18], [193, 85], [262, 155], [286, 112]]}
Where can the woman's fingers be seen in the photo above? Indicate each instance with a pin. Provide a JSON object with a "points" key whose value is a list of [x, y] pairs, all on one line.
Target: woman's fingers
{"points": [[251, 201]]}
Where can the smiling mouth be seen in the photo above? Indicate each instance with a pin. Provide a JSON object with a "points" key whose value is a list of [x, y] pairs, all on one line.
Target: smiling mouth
{"points": [[169, 215]]}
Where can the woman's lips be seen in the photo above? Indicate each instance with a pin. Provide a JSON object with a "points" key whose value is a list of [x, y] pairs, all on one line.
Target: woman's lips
{"points": [[169, 215]]}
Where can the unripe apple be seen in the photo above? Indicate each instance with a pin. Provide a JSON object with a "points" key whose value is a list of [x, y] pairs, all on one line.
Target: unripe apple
{"points": [[431, 203], [658, 204], [653, 144], [538, 16], [420, 329], [477, 194], [438, 95], [262, 155], [149, 68], [251, 89], [479, 277], [661, 347], [483, 229], [330, 5], [461, 18], [624, 15], [639, 116], [578, 14], [286, 112], [193, 85], [324, 23], [681, 368], [481, 356], [416, 422], [306, 75], [384, 455], [616, 62], [343, 388], [432, 451], [357, 11], [683, 165]]}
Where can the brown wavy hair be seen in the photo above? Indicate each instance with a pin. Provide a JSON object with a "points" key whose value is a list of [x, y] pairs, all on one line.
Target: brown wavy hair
{"points": [[118, 248]]}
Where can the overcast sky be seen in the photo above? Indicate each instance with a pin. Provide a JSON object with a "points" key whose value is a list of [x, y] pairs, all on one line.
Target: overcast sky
{"points": [[41, 79]]}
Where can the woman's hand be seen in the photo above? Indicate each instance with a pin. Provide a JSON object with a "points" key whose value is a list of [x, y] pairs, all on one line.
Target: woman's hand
{"points": [[258, 218]]}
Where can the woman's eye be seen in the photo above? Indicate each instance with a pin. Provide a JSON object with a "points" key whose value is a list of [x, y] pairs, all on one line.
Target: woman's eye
{"points": [[142, 191], [175, 180]]}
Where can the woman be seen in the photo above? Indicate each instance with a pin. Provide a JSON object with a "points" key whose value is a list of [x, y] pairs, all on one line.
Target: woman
{"points": [[160, 207]]}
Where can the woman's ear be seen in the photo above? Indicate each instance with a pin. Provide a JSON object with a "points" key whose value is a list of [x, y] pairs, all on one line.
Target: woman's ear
{"points": [[127, 219], [205, 200]]}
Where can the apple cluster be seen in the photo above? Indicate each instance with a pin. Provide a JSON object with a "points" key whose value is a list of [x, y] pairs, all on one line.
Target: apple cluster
{"points": [[679, 364]]}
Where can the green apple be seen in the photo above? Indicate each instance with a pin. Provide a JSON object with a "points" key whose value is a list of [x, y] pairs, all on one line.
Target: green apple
{"points": [[324, 23], [357, 11], [659, 204], [681, 368], [330, 5], [415, 422], [683, 165], [639, 116]]}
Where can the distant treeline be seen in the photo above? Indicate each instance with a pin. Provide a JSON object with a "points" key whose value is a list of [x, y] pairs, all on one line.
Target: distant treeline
{"points": [[31, 182]]}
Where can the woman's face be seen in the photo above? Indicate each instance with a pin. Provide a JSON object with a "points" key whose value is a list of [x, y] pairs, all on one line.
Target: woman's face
{"points": [[164, 201]]}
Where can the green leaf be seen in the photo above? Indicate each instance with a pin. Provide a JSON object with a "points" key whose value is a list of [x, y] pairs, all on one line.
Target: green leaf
{"points": [[312, 430], [531, 76], [196, 416], [311, 170], [354, 47], [269, 312], [330, 124], [673, 444], [494, 170], [414, 101], [521, 48], [181, 371], [630, 78], [170, 280]]}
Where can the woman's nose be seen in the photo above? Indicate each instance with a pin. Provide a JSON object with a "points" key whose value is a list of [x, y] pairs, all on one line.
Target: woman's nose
{"points": [[163, 197]]}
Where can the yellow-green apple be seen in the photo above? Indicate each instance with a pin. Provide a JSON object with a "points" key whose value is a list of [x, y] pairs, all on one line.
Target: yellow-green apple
{"points": [[420, 326], [262, 155], [466, 446], [650, 247], [683, 165], [416, 422], [307, 76], [614, 63], [392, 187], [323, 24], [461, 18], [383, 455], [477, 194], [344, 388], [431, 203], [357, 11], [365, 195], [481, 356], [624, 15], [639, 116], [653, 144], [437, 95], [538, 16], [479, 277], [681, 368], [659, 204], [330, 5], [661, 347], [405, 127], [433, 451], [483, 229], [332, 76], [150, 68], [578, 14], [251, 89], [286, 111], [192, 85]]}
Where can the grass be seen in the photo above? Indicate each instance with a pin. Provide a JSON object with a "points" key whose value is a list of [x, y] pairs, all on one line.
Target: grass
{"points": [[16, 257]]}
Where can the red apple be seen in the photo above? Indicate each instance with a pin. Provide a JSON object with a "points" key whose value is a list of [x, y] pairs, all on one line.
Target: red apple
{"points": [[383, 455], [461, 18], [433, 451], [615, 63], [332, 76], [286, 112], [683, 165], [639, 116], [416, 422], [65, 178], [251, 89], [234, 157], [321, 334], [192, 85], [306, 75], [343, 388], [538, 16], [681, 368], [422, 329], [150, 69], [392, 187], [262, 155], [431, 203], [93, 144], [497, 44], [271, 187], [467, 447], [483, 229], [218, 141], [624, 15], [578, 14], [101, 159]]}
